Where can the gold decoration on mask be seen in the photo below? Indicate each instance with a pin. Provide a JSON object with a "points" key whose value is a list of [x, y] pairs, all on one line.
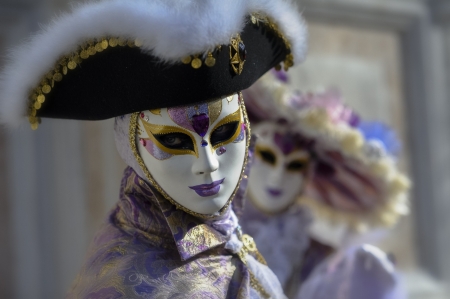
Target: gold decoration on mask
{"points": [[214, 109], [133, 145], [153, 130], [156, 111], [233, 117]]}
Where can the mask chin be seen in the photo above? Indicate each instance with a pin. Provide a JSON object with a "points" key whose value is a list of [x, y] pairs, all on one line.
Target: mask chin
{"points": [[197, 178]]}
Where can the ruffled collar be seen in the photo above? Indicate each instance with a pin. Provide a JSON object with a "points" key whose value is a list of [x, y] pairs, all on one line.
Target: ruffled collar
{"points": [[146, 214]]}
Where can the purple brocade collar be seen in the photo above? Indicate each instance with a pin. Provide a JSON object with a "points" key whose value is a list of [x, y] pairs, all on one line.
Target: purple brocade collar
{"points": [[146, 214]]}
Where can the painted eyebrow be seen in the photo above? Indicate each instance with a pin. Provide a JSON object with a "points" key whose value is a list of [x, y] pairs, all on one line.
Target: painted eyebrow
{"points": [[153, 129], [235, 116], [232, 117]]}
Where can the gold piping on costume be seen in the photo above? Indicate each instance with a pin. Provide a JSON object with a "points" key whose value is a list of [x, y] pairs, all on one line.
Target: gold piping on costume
{"points": [[67, 63], [249, 247]]}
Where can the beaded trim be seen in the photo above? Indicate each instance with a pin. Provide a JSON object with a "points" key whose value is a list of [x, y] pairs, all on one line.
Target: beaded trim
{"points": [[67, 63], [288, 62], [197, 62], [132, 139], [94, 46], [210, 61]]}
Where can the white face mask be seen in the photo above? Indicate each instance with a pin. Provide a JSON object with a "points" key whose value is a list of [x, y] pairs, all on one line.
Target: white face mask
{"points": [[278, 174], [195, 153]]}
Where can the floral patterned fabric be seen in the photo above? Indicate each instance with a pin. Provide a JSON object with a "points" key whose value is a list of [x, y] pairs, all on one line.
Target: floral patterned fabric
{"points": [[149, 249]]}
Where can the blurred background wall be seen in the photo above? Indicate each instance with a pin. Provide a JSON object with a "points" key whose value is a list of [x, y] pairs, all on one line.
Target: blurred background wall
{"points": [[389, 58]]}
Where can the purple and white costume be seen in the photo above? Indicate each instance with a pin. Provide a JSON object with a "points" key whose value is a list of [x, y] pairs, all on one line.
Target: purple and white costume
{"points": [[349, 179]]}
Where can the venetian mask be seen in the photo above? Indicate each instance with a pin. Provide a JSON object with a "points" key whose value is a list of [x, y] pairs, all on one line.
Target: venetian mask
{"points": [[279, 171], [195, 154]]}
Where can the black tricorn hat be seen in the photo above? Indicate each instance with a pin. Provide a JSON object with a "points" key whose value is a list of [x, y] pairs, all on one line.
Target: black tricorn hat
{"points": [[115, 57]]}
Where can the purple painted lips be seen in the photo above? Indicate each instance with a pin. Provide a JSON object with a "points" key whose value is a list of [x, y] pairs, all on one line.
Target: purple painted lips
{"points": [[206, 190], [274, 192]]}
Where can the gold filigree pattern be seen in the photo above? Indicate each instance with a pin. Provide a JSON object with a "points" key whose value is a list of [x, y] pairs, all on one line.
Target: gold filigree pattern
{"points": [[197, 238], [214, 109], [193, 283]]}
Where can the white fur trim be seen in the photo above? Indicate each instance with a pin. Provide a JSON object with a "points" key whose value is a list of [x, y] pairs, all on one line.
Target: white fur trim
{"points": [[170, 29]]}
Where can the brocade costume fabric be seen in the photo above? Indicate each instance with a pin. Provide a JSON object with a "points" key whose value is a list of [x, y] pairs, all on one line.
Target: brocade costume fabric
{"points": [[149, 249]]}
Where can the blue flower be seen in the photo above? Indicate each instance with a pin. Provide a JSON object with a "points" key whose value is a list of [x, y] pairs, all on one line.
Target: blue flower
{"points": [[378, 131]]}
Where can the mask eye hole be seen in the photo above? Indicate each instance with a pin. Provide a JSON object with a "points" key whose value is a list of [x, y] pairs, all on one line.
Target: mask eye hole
{"points": [[175, 141], [223, 133], [267, 156], [297, 165]]}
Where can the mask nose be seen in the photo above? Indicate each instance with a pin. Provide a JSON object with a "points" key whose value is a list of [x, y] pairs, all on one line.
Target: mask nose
{"points": [[276, 176], [206, 163]]}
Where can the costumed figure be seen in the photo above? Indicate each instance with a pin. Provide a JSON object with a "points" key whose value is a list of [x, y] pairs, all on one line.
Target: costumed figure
{"points": [[318, 164], [170, 72]]}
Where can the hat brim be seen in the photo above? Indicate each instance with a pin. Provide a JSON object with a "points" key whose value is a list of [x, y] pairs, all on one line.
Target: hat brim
{"points": [[123, 79]]}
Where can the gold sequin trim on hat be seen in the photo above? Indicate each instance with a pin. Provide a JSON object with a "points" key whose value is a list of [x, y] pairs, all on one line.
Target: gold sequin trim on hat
{"points": [[256, 19], [65, 65], [197, 62]]}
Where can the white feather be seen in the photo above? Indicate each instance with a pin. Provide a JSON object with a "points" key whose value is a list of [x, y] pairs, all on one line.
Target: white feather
{"points": [[170, 29]]}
